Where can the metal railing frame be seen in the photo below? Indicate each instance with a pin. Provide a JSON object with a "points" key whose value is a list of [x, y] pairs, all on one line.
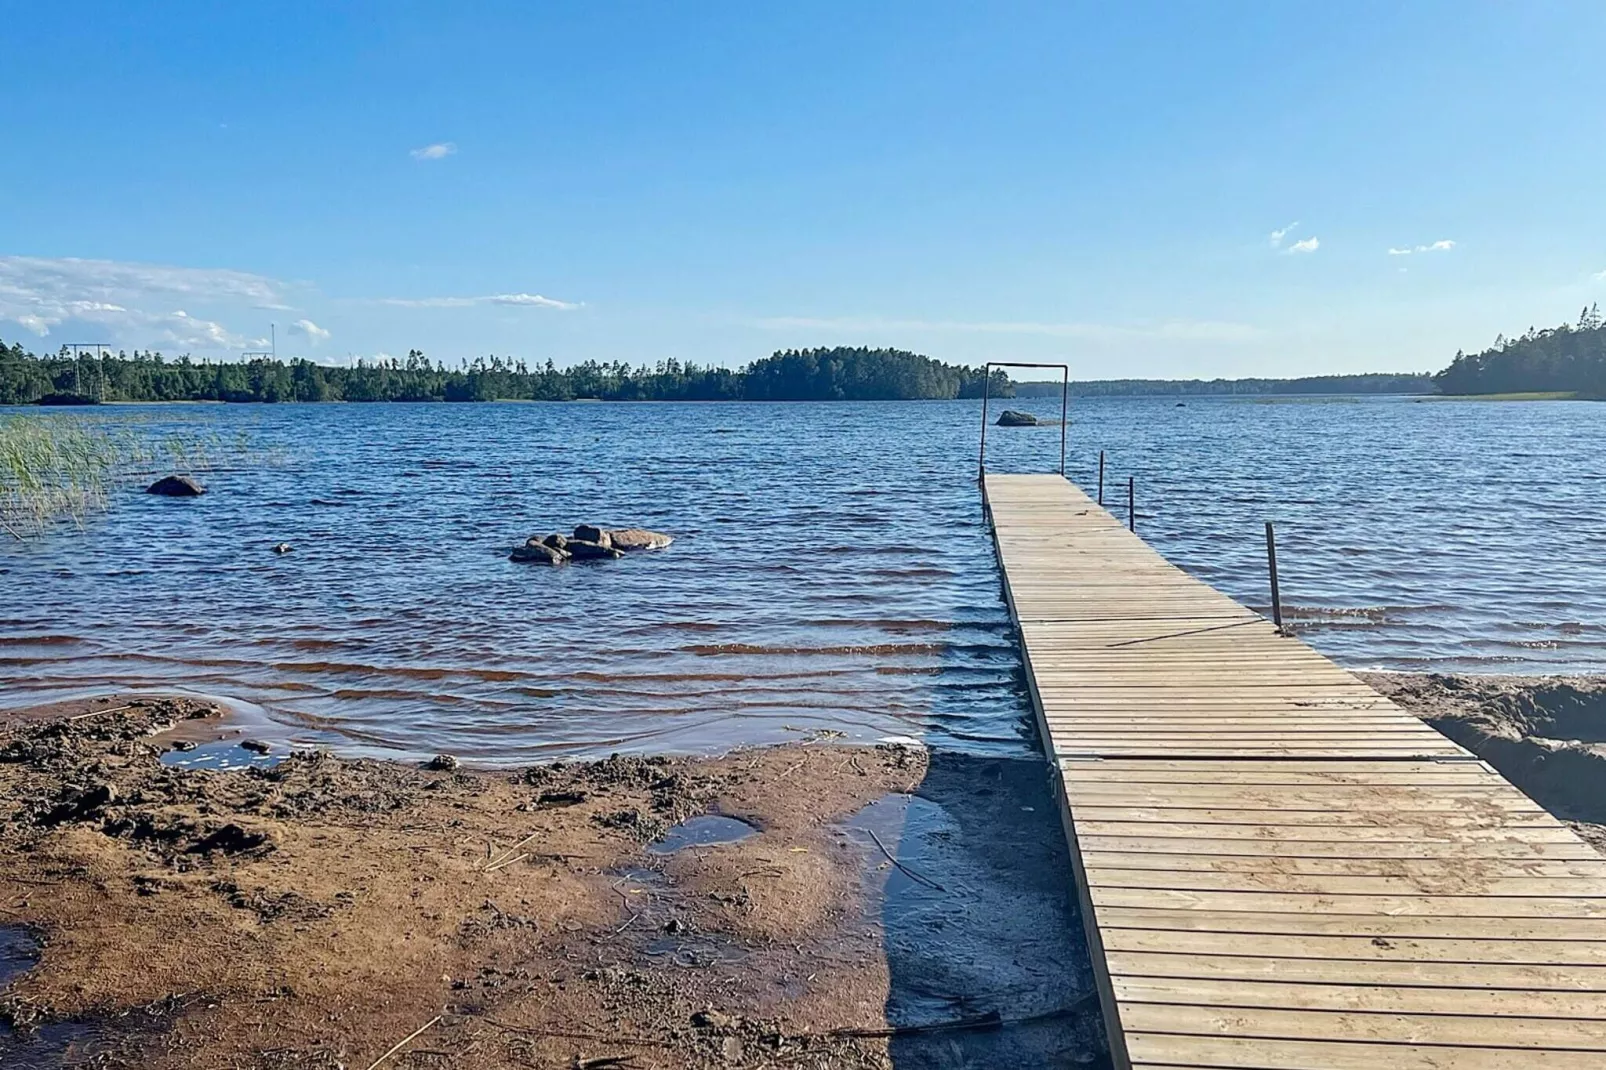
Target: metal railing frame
{"points": [[986, 391]]}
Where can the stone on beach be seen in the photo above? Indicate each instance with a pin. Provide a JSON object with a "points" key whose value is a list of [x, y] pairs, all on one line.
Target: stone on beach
{"points": [[1012, 418], [176, 487]]}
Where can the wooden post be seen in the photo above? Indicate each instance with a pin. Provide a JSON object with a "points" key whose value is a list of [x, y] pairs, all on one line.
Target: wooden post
{"points": [[1131, 507], [1101, 477], [1271, 565]]}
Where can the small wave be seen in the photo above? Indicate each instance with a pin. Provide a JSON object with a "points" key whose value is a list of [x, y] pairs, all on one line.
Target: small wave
{"points": [[39, 640], [411, 672], [888, 649], [393, 694]]}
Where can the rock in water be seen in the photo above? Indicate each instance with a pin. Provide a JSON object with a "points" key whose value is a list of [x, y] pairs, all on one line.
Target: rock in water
{"points": [[591, 533], [1011, 418], [556, 541], [539, 553], [176, 487], [637, 539], [282, 548], [584, 550]]}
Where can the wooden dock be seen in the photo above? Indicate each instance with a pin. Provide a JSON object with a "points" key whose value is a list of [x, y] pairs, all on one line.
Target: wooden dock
{"points": [[1278, 868]]}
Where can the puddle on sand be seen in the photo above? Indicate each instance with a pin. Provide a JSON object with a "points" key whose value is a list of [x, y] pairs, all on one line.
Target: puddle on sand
{"points": [[977, 919], [705, 830], [58, 1044], [19, 951], [224, 754]]}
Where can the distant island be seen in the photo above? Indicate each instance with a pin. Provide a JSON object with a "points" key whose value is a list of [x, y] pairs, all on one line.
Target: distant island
{"points": [[1569, 360], [1566, 361]]}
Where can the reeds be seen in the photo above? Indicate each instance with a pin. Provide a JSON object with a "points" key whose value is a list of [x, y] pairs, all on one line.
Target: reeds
{"points": [[60, 469]]}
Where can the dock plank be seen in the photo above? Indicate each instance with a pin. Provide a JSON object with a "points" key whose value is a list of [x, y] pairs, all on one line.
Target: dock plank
{"points": [[1278, 868]]}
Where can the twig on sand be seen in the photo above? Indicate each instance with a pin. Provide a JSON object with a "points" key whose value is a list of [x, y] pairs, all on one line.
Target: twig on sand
{"points": [[927, 881], [97, 713], [507, 855], [408, 1039], [505, 862], [569, 1034]]}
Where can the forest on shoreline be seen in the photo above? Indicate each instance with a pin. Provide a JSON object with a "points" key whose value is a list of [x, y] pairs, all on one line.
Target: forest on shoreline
{"points": [[1566, 360], [840, 374], [1569, 359]]}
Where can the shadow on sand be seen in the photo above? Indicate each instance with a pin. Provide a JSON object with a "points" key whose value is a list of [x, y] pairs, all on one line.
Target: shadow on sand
{"points": [[979, 920]]}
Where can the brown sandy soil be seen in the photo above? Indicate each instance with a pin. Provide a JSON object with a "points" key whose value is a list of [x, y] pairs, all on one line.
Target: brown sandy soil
{"points": [[1545, 734], [319, 911]]}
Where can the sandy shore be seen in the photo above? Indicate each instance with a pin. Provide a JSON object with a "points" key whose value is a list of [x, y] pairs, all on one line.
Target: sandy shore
{"points": [[1545, 734], [317, 911], [314, 911]]}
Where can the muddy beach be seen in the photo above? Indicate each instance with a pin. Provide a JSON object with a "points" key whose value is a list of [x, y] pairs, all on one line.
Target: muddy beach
{"points": [[805, 905]]}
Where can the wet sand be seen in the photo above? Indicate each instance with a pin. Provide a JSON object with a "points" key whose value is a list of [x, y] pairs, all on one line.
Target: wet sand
{"points": [[804, 905], [1545, 734]]}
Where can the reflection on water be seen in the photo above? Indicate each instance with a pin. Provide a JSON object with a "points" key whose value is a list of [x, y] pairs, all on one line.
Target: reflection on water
{"points": [[831, 572]]}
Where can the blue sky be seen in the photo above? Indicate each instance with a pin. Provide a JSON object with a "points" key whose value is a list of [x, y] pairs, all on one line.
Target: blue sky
{"points": [[1092, 183]]}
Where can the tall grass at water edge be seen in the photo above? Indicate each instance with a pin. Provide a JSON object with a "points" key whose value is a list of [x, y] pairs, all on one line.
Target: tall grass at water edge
{"points": [[62, 469]]}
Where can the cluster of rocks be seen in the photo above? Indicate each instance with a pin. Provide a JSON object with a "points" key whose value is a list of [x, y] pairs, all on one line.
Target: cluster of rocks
{"points": [[588, 543]]}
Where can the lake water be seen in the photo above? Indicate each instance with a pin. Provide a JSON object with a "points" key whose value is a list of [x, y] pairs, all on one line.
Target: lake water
{"points": [[831, 571]]}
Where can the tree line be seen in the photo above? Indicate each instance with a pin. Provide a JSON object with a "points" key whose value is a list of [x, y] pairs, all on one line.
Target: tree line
{"points": [[840, 374], [1373, 383], [1569, 359]]}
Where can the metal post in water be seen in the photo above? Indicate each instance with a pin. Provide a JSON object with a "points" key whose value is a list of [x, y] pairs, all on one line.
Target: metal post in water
{"points": [[981, 455], [1101, 477], [1131, 505], [1271, 565], [1065, 414]]}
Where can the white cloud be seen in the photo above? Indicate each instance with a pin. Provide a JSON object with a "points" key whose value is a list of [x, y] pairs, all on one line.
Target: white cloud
{"points": [[129, 302], [1442, 246], [1308, 245], [311, 330], [1599, 276], [1173, 331], [519, 299], [438, 151], [1277, 236]]}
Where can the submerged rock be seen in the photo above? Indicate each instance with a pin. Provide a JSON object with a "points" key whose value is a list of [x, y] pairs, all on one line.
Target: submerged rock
{"points": [[176, 487], [538, 553], [585, 550], [282, 548], [1011, 418], [637, 539]]}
